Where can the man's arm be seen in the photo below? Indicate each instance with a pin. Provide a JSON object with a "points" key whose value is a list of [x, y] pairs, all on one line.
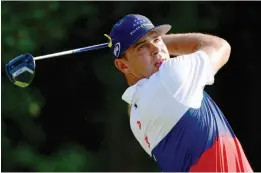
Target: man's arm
{"points": [[217, 49]]}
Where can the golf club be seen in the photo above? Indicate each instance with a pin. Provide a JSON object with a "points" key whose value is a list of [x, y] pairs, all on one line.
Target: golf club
{"points": [[21, 69]]}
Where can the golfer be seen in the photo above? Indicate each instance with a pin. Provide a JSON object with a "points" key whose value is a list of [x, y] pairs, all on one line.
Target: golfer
{"points": [[175, 121]]}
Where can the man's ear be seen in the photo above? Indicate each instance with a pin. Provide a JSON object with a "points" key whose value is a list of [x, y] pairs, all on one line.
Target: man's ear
{"points": [[122, 65]]}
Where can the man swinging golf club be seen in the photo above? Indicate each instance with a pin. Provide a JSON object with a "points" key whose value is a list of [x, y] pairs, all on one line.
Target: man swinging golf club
{"points": [[173, 118]]}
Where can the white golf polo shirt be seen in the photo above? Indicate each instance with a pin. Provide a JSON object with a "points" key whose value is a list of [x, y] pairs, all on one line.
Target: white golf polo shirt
{"points": [[159, 102], [178, 124]]}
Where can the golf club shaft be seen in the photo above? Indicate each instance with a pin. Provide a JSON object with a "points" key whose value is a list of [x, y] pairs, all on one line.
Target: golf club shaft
{"points": [[98, 46]]}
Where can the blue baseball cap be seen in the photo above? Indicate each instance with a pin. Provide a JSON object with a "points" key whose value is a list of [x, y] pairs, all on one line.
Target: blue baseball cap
{"points": [[129, 30]]}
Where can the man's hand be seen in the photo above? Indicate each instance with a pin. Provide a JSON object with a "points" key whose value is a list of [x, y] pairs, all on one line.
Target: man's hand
{"points": [[217, 49]]}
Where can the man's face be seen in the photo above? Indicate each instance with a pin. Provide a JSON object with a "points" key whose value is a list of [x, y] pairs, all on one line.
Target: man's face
{"points": [[145, 57]]}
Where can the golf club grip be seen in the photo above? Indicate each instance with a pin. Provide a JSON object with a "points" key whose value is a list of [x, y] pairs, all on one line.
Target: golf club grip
{"points": [[98, 46]]}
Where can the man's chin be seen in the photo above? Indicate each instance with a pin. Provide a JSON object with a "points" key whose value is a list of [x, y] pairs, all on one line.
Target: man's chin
{"points": [[156, 69]]}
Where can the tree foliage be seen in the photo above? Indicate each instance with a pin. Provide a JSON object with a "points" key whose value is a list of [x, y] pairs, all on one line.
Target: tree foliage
{"points": [[43, 28]]}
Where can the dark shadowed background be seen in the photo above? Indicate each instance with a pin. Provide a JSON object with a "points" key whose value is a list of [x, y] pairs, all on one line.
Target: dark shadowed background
{"points": [[72, 118]]}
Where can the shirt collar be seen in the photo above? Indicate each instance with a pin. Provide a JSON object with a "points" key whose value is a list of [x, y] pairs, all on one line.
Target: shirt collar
{"points": [[129, 94]]}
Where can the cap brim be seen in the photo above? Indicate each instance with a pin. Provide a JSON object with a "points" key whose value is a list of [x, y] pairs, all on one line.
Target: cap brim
{"points": [[162, 29]]}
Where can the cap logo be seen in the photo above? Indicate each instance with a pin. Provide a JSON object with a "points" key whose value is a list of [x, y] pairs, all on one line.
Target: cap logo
{"points": [[138, 24], [117, 49]]}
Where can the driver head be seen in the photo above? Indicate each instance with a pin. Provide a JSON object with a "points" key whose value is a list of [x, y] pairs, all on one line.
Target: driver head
{"points": [[21, 70]]}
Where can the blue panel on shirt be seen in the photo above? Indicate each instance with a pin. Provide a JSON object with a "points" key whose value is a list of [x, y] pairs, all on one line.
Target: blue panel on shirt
{"points": [[190, 137]]}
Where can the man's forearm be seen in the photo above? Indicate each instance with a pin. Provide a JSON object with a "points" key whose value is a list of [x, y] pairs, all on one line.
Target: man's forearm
{"points": [[217, 49], [180, 44]]}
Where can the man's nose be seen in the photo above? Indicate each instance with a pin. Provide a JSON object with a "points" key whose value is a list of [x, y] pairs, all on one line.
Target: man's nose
{"points": [[155, 48]]}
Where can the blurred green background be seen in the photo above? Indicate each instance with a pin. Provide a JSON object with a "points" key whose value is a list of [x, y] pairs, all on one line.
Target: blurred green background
{"points": [[72, 117]]}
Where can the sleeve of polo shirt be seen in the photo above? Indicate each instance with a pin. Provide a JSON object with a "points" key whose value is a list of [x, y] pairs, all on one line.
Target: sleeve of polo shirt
{"points": [[186, 76]]}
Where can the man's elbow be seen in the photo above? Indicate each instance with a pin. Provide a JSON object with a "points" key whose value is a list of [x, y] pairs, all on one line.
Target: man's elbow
{"points": [[226, 50], [221, 50]]}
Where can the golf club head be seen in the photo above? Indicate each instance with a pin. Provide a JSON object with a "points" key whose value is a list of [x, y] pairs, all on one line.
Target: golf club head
{"points": [[21, 70]]}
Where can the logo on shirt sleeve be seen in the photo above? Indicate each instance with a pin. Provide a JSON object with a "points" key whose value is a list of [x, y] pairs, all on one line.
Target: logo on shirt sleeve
{"points": [[146, 137]]}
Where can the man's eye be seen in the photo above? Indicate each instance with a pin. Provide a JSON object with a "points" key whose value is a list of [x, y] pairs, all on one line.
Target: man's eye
{"points": [[142, 46], [156, 40]]}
